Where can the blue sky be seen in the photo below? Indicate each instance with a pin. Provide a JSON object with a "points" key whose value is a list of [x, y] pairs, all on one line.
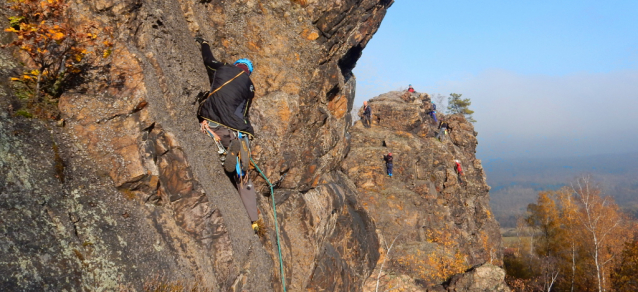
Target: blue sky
{"points": [[546, 78]]}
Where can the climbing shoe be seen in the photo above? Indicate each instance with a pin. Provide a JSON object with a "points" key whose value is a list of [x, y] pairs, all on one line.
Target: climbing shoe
{"points": [[255, 227], [231, 155]]}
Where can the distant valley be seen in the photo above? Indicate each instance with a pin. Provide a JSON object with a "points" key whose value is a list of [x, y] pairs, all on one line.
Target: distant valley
{"points": [[516, 182]]}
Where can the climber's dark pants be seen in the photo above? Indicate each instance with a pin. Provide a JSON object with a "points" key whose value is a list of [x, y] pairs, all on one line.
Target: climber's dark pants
{"points": [[433, 115], [366, 121], [389, 167], [248, 196], [245, 184], [226, 135]]}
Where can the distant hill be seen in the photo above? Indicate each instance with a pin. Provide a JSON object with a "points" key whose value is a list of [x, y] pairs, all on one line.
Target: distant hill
{"points": [[516, 182]]}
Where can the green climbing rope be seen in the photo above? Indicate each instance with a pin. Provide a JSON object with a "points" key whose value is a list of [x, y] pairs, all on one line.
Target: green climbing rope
{"points": [[274, 208]]}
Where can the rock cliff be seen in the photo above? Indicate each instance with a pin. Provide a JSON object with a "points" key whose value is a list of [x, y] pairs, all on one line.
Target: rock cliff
{"points": [[437, 223], [122, 192]]}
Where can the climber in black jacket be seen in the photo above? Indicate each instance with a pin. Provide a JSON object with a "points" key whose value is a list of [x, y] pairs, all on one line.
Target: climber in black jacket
{"points": [[223, 114], [231, 93]]}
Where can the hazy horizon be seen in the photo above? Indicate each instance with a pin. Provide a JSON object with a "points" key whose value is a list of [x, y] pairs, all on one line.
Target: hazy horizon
{"points": [[546, 79]]}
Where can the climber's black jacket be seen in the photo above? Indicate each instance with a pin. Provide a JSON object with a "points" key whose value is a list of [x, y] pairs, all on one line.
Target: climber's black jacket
{"points": [[388, 159], [229, 104], [367, 111]]}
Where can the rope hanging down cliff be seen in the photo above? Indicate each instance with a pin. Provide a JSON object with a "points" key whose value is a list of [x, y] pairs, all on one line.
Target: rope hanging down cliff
{"points": [[274, 209]]}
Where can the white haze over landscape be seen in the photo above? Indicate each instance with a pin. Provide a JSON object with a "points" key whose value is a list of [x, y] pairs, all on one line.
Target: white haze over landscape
{"points": [[545, 79], [577, 114]]}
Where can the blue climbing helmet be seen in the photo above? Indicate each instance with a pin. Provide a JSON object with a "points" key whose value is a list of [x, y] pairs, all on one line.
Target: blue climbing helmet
{"points": [[246, 62]]}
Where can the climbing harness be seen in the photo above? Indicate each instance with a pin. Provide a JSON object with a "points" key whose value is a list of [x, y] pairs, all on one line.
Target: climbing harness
{"points": [[274, 207]]}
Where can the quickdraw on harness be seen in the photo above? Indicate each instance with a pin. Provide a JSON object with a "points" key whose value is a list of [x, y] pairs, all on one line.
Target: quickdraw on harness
{"points": [[220, 148]]}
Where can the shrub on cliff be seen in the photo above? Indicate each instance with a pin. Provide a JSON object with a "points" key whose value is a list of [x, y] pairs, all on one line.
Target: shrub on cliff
{"points": [[54, 47]]}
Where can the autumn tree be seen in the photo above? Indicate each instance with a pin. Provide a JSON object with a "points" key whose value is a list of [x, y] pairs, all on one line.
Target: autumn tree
{"points": [[545, 216], [569, 215], [456, 105], [602, 222], [624, 277], [576, 237], [57, 48]]}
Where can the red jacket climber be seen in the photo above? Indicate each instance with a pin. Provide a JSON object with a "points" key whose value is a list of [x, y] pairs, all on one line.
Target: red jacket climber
{"points": [[459, 170]]}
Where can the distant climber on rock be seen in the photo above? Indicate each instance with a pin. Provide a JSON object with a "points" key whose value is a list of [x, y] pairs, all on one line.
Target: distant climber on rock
{"points": [[223, 115], [388, 163], [411, 89], [432, 113], [443, 126], [459, 170], [367, 112]]}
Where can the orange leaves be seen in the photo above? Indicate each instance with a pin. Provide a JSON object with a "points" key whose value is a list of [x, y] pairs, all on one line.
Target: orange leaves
{"points": [[434, 266], [56, 45], [107, 53], [56, 34], [623, 278], [576, 236]]}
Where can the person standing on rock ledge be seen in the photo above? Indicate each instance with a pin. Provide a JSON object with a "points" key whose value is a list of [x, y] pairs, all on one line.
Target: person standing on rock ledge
{"points": [[459, 170], [432, 113], [367, 112], [443, 126], [223, 114], [388, 163]]}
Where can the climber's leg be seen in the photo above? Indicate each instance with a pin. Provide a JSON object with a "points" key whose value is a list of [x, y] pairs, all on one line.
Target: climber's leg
{"points": [[225, 134], [248, 197]]}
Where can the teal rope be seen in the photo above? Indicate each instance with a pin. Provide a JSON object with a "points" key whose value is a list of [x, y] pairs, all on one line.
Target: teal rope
{"points": [[274, 207]]}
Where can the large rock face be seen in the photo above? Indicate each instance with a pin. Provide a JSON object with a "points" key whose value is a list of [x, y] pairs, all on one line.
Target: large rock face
{"points": [[128, 194]]}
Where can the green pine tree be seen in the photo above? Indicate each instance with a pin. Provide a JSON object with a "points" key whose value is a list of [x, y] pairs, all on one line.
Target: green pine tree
{"points": [[456, 105]]}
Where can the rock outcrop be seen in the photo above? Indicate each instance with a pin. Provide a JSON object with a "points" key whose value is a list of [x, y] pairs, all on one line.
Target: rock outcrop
{"points": [[486, 277], [123, 192], [440, 225]]}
